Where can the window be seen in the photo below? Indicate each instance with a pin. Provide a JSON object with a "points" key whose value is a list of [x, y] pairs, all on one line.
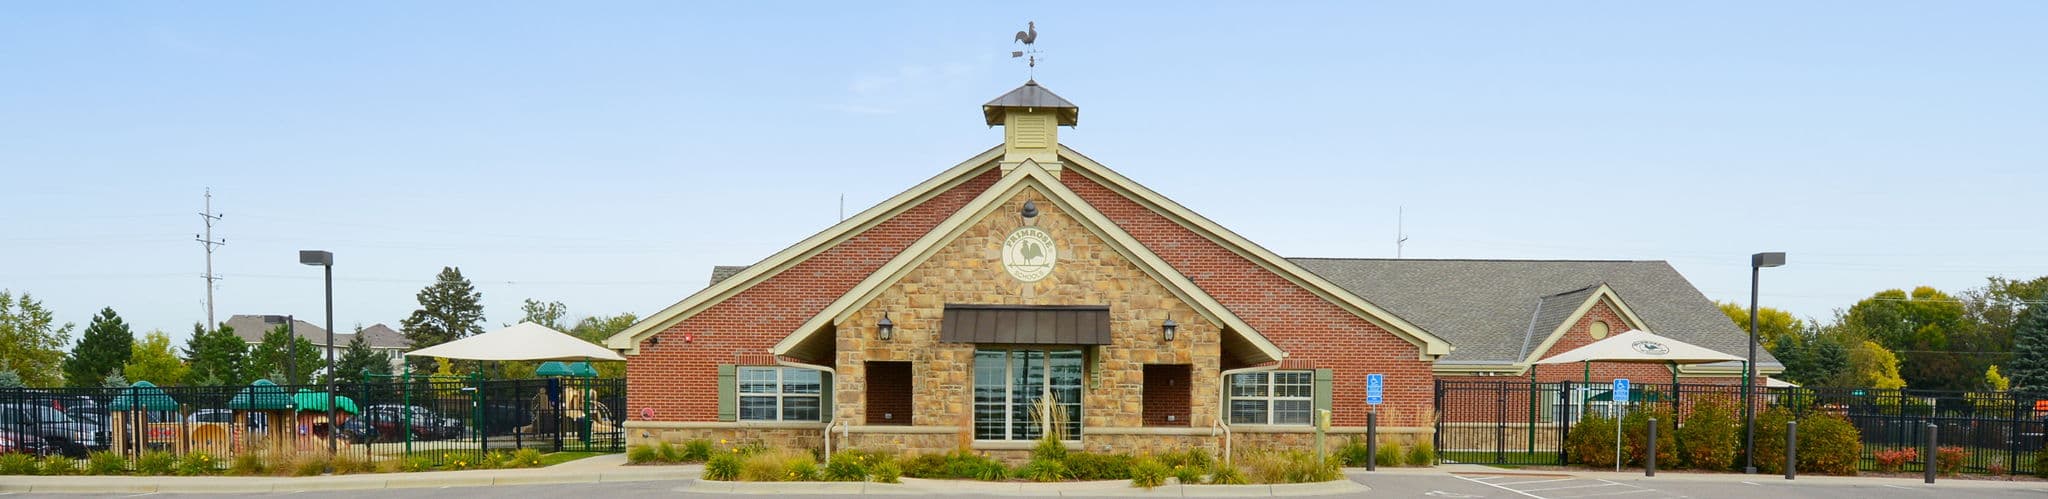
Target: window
{"points": [[780, 394], [1009, 386], [1272, 397]]}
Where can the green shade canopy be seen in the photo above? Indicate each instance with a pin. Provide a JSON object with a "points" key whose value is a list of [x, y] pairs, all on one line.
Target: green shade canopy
{"points": [[583, 369], [308, 400], [260, 396], [553, 368], [143, 395]]}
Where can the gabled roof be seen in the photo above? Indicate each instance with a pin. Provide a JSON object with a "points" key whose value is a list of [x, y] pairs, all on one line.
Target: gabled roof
{"points": [[1486, 307], [1031, 96], [382, 336], [250, 328], [722, 272], [1251, 348]]}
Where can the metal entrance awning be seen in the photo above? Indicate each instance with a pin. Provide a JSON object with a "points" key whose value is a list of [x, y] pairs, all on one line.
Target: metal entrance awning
{"points": [[1028, 325]]}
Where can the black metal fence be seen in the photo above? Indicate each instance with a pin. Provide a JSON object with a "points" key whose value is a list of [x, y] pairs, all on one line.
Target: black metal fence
{"points": [[1525, 423], [438, 419]]}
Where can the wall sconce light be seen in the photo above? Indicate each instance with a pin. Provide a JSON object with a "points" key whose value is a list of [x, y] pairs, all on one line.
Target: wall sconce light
{"points": [[654, 340], [885, 328], [1169, 326]]}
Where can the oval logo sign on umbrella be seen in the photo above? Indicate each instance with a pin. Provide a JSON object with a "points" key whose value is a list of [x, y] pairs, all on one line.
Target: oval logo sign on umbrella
{"points": [[1650, 347]]}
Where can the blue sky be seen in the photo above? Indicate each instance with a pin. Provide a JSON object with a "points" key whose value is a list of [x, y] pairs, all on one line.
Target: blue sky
{"points": [[606, 155]]}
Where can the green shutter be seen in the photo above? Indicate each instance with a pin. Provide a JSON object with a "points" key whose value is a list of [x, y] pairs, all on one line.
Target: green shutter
{"points": [[1226, 398], [825, 412], [1324, 391], [728, 393]]}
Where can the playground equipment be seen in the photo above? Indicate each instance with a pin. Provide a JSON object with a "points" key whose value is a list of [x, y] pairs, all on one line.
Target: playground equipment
{"points": [[268, 401], [309, 418], [578, 412]]}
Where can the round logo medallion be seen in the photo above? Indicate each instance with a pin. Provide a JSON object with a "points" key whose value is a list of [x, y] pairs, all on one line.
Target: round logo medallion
{"points": [[1650, 347], [1028, 254]]}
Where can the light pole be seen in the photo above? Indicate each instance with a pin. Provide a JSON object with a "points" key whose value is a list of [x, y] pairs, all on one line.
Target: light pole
{"points": [[1756, 263], [325, 260]]}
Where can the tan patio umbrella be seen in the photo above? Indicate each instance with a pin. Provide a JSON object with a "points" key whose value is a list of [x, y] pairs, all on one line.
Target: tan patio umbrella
{"points": [[525, 341], [1640, 347]]}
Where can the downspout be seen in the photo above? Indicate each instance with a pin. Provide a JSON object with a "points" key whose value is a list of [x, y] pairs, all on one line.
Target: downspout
{"points": [[834, 410], [1223, 394]]}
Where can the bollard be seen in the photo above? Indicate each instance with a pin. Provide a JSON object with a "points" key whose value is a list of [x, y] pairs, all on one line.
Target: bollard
{"points": [[1650, 459], [1791, 449], [1933, 432], [1372, 441]]}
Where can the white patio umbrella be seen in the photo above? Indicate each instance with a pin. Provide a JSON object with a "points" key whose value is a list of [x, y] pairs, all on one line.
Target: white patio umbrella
{"points": [[1640, 347], [525, 341]]}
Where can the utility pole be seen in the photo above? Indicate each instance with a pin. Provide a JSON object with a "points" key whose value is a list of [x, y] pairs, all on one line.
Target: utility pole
{"points": [[210, 243], [1400, 230]]}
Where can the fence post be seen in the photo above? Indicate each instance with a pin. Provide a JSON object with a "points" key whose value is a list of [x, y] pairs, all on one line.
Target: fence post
{"points": [[1438, 438], [1791, 449], [1564, 421], [1650, 459], [1933, 432], [1500, 423]]}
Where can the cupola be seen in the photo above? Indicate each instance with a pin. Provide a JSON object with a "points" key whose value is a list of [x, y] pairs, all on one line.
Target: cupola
{"points": [[1031, 116]]}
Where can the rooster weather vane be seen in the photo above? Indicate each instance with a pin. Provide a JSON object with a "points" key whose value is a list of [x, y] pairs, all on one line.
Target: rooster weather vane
{"points": [[1029, 37]]}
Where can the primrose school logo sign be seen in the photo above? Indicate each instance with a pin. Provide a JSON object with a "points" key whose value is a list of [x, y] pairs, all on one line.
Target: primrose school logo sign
{"points": [[1028, 254], [1650, 347]]}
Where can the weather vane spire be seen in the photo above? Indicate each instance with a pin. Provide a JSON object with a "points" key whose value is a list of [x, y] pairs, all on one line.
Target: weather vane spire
{"points": [[1029, 37]]}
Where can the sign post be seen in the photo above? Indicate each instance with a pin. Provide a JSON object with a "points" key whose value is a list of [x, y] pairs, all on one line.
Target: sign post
{"points": [[1618, 397], [1374, 383]]}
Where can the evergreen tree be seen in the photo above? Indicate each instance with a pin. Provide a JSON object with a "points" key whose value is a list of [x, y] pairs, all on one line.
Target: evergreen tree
{"points": [[450, 309], [269, 358], [216, 357], [31, 342], [358, 358], [154, 360], [2029, 364], [101, 351]]}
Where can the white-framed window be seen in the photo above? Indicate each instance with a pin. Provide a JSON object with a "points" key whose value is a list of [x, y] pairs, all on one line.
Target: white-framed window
{"points": [[1272, 397], [780, 394], [1010, 385]]}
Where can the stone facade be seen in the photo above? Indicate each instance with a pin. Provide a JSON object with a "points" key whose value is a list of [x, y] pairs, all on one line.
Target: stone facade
{"points": [[968, 270]]}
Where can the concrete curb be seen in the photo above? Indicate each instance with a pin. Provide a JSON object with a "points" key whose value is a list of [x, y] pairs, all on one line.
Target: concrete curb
{"points": [[264, 485], [1109, 488]]}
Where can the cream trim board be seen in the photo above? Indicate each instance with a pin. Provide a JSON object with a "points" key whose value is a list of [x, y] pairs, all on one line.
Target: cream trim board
{"points": [[1603, 293], [722, 425], [628, 340], [1431, 344], [1028, 175]]}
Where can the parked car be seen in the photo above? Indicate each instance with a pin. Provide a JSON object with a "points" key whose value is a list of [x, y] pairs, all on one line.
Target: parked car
{"points": [[21, 443], [60, 432], [393, 421], [503, 418], [358, 431]]}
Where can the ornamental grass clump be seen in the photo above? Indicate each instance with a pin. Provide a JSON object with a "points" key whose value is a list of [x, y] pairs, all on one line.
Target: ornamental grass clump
{"points": [[643, 454], [196, 463], [1044, 470], [306, 464], [1354, 453], [59, 465], [1423, 454], [1388, 456], [846, 466], [1272, 466], [105, 463], [18, 464], [1090, 466], [156, 463], [1226, 474], [695, 451], [723, 466], [1148, 473], [779, 465], [888, 472], [247, 463], [524, 458]]}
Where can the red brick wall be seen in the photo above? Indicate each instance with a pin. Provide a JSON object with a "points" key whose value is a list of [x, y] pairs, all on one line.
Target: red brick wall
{"points": [[679, 381], [1311, 330], [1167, 388], [888, 393]]}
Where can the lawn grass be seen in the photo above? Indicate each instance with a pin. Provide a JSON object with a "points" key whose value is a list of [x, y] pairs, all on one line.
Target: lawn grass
{"points": [[1512, 458]]}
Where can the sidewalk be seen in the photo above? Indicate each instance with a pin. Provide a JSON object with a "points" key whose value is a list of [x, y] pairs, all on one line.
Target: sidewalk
{"points": [[606, 468], [956, 488], [1693, 476]]}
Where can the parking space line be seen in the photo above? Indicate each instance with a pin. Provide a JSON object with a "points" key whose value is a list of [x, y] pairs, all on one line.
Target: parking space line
{"points": [[1489, 484], [1577, 487], [1539, 481]]}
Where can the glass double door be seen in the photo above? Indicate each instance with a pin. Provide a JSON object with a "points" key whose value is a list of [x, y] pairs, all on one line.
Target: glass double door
{"points": [[1019, 393]]}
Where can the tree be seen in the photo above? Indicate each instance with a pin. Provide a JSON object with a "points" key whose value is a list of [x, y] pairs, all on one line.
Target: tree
{"points": [[101, 351], [596, 330], [1816, 356], [1873, 366], [270, 356], [2029, 364], [358, 358], [1919, 325], [217, 357], [154, 360], [1773, 325], [31, 343], [546, 314], [450, 309], [10, 379]]}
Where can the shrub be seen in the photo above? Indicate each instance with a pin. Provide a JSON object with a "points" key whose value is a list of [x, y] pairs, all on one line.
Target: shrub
{"points": [[1044, 470], [308, 464], [1267, 466], [724, 466], [887, 472], [416, 463], [1388, 456], [642, 454], [2041, 463], [695, 451], [156, 463], [1188, 458], [525, 458], [993, 471], [1354, 453], [1636, 427], [1148, 473], [17, 464], [1892, 460], [1227, 474], [1087, 466], [846, 466], [195, 463], [1828, 444], [1770, 440], [105, 463], [958, 464], [1949, 460], [923, 465], [1591, 441], [1422, 454], [1711, 437], [805, 470], [667, 453], [1049, 449], [59, 465]]}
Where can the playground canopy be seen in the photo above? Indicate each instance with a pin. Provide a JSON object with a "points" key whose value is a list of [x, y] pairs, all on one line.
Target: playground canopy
{"points": [[143, 396], [564, 369], [525, 341], [261, 396], [312, 401]]}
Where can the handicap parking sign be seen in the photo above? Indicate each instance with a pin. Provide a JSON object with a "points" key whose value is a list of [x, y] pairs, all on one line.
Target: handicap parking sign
{"points": [[1373, 384], [1621, 390]]}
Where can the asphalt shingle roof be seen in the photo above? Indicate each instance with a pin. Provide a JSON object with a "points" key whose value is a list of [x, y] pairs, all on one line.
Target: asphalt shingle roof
{"points": [[722, 272], [382, 336], [1486, 308], [251, 328]]}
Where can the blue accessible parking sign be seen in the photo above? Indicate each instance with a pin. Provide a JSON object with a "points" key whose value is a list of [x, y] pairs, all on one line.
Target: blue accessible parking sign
{"points": [[1373, 384], [1621, 390]]}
